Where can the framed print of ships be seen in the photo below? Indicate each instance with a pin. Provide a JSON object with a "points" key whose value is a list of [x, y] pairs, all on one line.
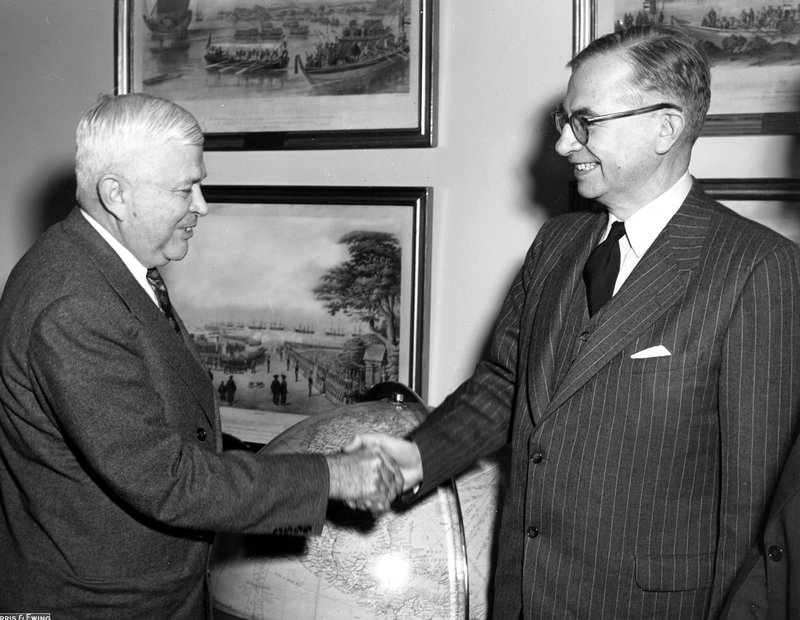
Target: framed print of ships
{"points": [[286, 74]]}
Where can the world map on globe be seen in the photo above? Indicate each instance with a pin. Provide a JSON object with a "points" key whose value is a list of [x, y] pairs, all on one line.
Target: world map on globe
{"points": [[431, 559]]}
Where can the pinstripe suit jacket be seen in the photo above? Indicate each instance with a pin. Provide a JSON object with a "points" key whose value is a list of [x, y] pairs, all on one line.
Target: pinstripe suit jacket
{"points": [[111, 477], [637, 485]]}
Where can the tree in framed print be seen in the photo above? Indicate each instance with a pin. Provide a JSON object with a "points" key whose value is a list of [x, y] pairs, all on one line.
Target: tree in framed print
{"points": [[302, 299]]}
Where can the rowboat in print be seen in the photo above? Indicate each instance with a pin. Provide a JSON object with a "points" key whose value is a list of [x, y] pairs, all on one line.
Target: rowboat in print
{"points": [[242, 58]]}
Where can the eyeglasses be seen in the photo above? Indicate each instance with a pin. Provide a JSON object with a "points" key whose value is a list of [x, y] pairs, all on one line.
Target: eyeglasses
{"points": [[580, 124]]}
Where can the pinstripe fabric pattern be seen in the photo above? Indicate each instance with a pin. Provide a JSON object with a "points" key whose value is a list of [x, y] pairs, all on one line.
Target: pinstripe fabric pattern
{"points": [[655, 472]]}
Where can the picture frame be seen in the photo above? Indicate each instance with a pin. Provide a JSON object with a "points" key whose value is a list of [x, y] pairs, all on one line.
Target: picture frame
{"points": [[328, 286], [773, 202], [286, 76], [755, 68]]}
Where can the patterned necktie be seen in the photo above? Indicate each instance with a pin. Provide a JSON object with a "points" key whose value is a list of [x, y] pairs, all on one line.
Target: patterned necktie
{"points": [[602, 268], [156, 283]]}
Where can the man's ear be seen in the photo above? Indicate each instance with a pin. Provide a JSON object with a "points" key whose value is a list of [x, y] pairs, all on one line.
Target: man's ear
{"points": [[112, 191], [670, 129]]}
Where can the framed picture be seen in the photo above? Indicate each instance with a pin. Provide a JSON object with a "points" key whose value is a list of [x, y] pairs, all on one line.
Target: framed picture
{"points": [[752, 46], [775, 203], [276, 75], [306, 297]]}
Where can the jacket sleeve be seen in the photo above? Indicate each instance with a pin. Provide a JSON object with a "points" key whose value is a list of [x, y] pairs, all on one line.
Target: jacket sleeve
{"points": [[475, 420], [134, 427], [759, 401]]}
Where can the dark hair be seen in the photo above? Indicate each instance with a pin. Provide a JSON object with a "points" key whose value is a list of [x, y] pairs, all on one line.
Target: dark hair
{"points": [[666, 62]]}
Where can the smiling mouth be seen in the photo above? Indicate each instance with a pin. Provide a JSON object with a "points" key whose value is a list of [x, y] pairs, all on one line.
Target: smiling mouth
{"points": [[585, 167]]}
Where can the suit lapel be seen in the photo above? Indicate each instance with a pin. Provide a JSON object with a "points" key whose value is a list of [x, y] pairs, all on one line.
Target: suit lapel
{"points": [[657, 283], [177, 351], [554, 320]]}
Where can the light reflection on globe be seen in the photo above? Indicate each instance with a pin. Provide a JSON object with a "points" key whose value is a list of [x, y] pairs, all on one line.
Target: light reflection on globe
{"points": [[430, 560]]}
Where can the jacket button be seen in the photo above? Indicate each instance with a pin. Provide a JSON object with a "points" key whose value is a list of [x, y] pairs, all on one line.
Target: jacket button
{"points": [[536, 458], [201, 434], [584, 336], [532, 532], [775, 553]]}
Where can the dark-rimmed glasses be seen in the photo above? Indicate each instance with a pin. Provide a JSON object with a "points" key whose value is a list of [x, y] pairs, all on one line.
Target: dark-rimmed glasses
{"points": [[580, 124]]}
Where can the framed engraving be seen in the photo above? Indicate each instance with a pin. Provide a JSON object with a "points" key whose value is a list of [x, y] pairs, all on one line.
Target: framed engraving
{"points": [[321, 288], [300, 75]]}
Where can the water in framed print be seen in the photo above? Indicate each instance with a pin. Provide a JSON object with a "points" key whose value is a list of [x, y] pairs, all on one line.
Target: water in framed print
{"points": [[286, 75], [320, 289], [753, 47]]}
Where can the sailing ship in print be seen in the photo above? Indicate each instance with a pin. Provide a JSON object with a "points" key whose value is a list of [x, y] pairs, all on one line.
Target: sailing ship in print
{"points": [[168, 16]]}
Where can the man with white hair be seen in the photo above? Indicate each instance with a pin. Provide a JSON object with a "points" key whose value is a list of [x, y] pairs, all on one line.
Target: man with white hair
{"points": [[112, 478]]}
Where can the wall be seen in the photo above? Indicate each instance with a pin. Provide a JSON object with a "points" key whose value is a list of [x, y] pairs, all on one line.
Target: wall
{"points": [[494, 173]]}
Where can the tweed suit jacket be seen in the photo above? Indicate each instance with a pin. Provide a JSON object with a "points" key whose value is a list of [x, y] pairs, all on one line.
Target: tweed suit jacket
{"points": [[112, 478], [637, 486]]}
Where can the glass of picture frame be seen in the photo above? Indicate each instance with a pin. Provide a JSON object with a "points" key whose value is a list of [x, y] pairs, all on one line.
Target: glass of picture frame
{"points": [[280, 77], [327, 286]]}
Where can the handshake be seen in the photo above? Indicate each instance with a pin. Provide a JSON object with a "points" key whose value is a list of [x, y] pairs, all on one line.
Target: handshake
{"points": [[373, 470]]}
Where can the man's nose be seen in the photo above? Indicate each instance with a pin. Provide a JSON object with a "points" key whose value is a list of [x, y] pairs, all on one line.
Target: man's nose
{"points": [[198, 202], [567, 142]]}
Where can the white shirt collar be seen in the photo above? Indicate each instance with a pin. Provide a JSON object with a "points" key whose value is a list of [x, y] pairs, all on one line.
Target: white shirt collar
{"points": [[646, 224], [136, 268]]}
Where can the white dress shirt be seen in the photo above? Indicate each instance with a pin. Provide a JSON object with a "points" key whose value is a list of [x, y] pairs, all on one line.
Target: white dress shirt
{"points": [[136, 268], [642, 228]]}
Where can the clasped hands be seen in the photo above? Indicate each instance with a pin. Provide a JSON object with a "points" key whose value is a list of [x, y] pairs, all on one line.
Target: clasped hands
{"points": [[372, 470]]}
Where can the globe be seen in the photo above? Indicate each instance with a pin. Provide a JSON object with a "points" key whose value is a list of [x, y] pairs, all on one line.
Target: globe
{"points": [[431, 559]]}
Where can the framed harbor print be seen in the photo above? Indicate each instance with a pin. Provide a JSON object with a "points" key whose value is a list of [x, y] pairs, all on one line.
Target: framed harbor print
{"points": [[306, 297], [752, 47], [286, 75]]}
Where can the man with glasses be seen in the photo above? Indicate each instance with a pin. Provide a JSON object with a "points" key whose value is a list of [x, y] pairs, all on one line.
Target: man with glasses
{"points": [[645, 367]]}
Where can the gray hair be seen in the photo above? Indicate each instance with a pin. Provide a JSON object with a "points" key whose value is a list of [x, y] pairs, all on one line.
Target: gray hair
{"points": [[666, 62], [116, 126]]}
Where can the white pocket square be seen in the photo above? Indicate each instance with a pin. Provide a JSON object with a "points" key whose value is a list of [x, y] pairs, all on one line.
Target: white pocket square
{"points": [[659, 351]]}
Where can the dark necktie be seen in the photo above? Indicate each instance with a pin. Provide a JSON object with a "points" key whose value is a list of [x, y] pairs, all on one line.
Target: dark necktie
{"points": [[602, 268], [156, 283]]}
